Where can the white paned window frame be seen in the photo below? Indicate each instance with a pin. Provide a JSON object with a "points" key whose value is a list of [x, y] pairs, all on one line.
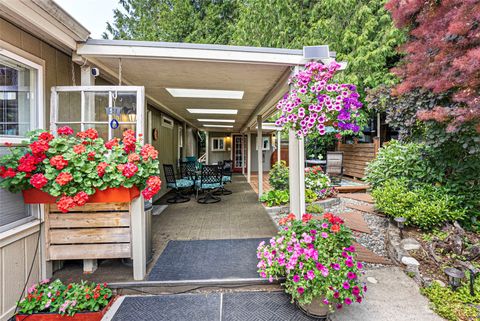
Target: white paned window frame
{"points": [[112, 90], [167, 122], [218, 144], [37, 118]]}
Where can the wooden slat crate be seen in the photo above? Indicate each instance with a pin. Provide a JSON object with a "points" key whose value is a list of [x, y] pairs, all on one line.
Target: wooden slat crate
{"points": [[93, 231], [356, 157]]}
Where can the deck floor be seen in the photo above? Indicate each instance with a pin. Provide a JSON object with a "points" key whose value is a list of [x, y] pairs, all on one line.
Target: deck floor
{"points": [[237, 216]]}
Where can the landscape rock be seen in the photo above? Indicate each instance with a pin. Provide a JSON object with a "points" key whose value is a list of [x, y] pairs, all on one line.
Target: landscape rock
{"points": [[372, 280], [410, 244]]}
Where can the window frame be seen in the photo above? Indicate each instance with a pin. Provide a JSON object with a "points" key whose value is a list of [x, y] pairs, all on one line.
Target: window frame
{"points": [[38, 119], [219, 139]]}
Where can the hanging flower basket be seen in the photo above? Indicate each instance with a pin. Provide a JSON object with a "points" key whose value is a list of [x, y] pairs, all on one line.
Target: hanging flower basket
{"points": [[72, 170], [110, 195], [315, 102]]}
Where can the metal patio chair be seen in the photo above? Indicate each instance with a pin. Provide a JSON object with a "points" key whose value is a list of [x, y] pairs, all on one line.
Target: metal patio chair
{"points": [[178, 185], [210, 180], [226, 177], [335, 167]]}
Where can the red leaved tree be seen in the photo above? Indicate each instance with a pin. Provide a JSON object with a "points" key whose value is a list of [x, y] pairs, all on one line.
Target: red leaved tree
{"points": [[441, 55]]}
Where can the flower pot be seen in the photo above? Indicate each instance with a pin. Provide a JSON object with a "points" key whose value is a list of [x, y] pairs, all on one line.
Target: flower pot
{"points": [[316, 309], [110, 195], [80, 316]]}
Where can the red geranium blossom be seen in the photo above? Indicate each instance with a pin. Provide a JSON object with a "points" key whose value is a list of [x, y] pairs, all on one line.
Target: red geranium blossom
{"points": [[79, 149], [58, 162], [129, 170], [81, 198], [133, 157], [45, 136], [89, 133], [101, 169], [335, 228], [38, 180], [129, 140], [65, 130], [154, 184], [111, 143], [91, 156], [65, 203], [9, 173], [306, 217], [27, 163], [148, 151], [39, 147], [63, 178]]}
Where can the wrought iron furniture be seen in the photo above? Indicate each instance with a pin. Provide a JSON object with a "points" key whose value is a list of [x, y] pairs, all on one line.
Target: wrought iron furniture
{"points": [[226, 166], [210, 180], [335, 167], [178, 185]]}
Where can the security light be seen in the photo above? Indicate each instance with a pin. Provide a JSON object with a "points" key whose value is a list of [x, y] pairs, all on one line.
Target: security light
{"points": [[205, 93]]}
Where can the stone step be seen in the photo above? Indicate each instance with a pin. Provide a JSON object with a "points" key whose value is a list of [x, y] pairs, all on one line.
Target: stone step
{"points": [[362, 197], [368, 208], [355, 221], [368, 256]]}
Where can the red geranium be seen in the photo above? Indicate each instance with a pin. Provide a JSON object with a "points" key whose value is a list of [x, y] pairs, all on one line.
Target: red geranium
{"points": [[45, 136], [111, 143], [58, 162], [38, 180], [306, 218], [89, 133], [65, 130], [63, 178], [39, 147], [133, 157], [79, 149], [27, 163], [91, 156], [81, 198], [154, 184], [129, 140], [148, 151], [335, 228], [129, 170], [9, 173], [65, 203], [101, 169]]}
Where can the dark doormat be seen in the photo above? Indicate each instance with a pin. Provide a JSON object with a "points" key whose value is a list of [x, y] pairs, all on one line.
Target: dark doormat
{"points": [[180, 307], [207, 259], [264, 306]]}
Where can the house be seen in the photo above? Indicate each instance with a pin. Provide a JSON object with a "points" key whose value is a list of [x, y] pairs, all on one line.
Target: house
{"points": [[52, 73]]}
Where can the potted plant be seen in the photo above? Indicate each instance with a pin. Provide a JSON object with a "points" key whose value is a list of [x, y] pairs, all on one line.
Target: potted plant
{"points": [[71, 170], [318, 182], [317, 259], [56, 301]]}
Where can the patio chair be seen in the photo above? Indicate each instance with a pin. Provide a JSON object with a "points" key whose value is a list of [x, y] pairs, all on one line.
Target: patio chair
{"points": [[178, 185], [188, 170], [335, 167], [210, 180], [226, 177]]}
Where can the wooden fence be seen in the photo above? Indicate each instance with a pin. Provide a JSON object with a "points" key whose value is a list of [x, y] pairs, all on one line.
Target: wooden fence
{"points": [[356, 156]]}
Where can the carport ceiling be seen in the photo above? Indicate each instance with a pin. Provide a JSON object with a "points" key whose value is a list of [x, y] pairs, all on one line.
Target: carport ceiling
{"points": [[156, 75]]}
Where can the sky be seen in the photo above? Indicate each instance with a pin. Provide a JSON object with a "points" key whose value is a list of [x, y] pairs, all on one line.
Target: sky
{"points": [[92, 14]]}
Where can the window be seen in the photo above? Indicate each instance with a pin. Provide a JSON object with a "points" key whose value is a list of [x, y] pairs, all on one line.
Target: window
{"points": [[218, 144], [21, 106], [265, 143], [167, 122]]}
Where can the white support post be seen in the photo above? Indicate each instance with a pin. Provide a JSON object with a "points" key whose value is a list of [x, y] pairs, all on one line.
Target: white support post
{"points": [[139, 249], [185, 141], [88, 114], [279, 146], [249, 157], [296, 166], [260, 155], [243, 154], [207, 146]]}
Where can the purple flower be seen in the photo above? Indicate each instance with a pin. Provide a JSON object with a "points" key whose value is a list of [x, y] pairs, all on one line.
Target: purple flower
{"points": [[324, 235], [346, 285], [355, 290], [336, 266], [351, 275], [339, 306], [325, 301], [359, 265], [336, 295], [348, 301], [296, 278], [300, 290], [349, 262], [310, 274]]}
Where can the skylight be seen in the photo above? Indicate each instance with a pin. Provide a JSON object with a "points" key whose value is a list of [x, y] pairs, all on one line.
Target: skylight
{"points": [[216, 120], [212, 111], [218, 126], [205, 93]]}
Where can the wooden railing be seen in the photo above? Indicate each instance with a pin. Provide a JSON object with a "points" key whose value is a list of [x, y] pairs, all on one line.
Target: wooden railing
{"points": [[356, 156]]}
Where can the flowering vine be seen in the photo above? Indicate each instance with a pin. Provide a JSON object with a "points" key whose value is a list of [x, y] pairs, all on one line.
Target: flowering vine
{"points": [[315, 102]]}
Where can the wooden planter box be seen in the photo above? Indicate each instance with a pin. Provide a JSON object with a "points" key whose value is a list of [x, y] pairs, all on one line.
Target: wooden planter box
{"points": [[81, 316], [92, 231], [110, 195]]}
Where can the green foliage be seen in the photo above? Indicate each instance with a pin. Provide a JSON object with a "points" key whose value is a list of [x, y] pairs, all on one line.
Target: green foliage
{"points": [[454, 305], [316, 145], [402, 161], [310, 196], [275, 197], [315, 209], [56, 297], [278, 176], [425, 206]]}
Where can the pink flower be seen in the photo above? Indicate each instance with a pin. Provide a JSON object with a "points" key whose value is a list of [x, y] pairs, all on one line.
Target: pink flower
{"points": [[351, 275], [300, 290], [336, 295], [355, 290], [324, 235], [296, 278], [335, 266], [348, 301], [310, 274], [346, 285], [359, 265]]}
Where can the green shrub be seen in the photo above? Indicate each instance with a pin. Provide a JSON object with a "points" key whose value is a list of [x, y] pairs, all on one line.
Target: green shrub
{"points": [[310, 196], [454, 305], [279, 176], [424, 206], [315, 209], [275, 198], [399, 160]]}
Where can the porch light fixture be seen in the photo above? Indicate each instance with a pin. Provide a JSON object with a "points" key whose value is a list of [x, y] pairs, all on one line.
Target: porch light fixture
{"points": [[216, 120], [212, 111], [218, 126], [455, 277], [401, 224], [205, 93]]}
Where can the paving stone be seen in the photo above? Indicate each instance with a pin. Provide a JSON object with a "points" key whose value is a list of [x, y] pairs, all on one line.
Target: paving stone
{"points": [[355, 221], [408, 260], [368, 256], [362, 197], [410, 244], [368, 208]]}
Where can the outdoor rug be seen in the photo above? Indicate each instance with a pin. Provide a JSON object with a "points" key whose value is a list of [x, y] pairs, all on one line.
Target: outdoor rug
{"points": [[240, 306], [207, 259]]}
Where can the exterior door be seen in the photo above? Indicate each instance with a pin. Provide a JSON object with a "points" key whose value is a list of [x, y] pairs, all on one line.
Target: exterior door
{"points": [[238, 162]]}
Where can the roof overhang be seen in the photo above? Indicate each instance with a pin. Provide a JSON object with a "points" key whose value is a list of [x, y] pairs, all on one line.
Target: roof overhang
{"points": [[46, 20]]}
